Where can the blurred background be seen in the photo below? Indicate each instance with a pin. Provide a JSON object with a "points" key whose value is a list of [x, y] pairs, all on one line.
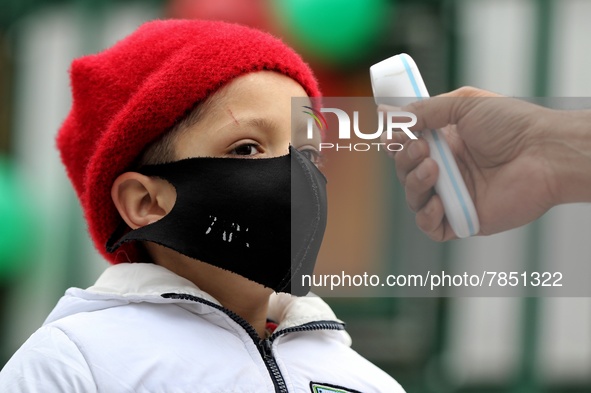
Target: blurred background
{"points": [[515, 47]]}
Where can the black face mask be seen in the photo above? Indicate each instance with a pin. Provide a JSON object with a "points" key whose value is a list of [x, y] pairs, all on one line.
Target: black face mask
{"points": [[263, 219]]}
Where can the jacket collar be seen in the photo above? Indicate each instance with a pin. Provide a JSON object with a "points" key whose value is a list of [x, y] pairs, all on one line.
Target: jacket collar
{"points": [[146, 280]]}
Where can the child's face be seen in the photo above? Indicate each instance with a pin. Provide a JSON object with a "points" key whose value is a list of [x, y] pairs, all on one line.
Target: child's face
{"points": [[251, 117]]}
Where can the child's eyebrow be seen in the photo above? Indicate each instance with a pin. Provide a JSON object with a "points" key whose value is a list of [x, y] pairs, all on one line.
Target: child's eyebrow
{"points": [[300, 127], [258, 122]]}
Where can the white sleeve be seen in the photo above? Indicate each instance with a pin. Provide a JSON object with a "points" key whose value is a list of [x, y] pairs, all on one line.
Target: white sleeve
{"points": [[47, 362]]}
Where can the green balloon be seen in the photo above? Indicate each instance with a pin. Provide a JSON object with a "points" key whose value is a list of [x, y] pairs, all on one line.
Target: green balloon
{"points": [[16, 222], [334, 30]]}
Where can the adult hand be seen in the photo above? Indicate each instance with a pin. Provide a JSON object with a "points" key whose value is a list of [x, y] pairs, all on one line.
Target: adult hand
{"points": [[501, 146]]}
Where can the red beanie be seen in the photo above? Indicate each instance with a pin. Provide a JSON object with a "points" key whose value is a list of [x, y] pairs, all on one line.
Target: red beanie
{"points": [[128, 96]]}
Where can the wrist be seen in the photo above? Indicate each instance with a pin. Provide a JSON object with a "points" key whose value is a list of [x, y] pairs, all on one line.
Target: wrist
{"points": [[566, 141]]}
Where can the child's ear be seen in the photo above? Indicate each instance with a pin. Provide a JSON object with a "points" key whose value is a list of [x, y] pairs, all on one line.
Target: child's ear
{"points": [[142, 200]]}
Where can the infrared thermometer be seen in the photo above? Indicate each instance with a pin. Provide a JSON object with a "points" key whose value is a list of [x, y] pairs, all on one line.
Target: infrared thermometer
{"points": [[398, 76]]}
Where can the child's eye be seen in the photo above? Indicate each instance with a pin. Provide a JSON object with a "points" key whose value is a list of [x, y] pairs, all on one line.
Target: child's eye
{"points": [[313, 155], [246, 149]]}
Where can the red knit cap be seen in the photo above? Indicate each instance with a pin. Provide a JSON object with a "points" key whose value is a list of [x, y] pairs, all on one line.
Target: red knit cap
{"points": [[129, 95]]}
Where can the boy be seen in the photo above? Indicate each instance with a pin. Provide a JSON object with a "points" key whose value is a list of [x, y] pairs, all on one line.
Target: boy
{"points": [[211, 226]]}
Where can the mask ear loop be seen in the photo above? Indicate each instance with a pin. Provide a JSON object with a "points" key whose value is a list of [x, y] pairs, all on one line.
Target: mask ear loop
{"points": [[114, 241]]}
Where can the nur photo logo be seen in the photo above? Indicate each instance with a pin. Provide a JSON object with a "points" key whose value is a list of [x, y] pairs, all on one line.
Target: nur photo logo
{"points": [[388, 122]]}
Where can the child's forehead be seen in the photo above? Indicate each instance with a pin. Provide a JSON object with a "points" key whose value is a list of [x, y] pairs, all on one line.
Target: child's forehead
{"points": [[253, 91], [257, 101]]}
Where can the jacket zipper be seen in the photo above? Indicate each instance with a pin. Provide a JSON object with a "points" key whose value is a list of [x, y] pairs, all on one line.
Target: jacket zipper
{"points": [[264, 345]]}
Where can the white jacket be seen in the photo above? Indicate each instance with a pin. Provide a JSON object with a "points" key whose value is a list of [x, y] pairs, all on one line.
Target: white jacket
{"points": [[142, 328]]}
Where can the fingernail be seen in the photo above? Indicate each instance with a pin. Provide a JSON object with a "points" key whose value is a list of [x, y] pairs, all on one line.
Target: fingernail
{"points": [[414, 151], [422, 171]]}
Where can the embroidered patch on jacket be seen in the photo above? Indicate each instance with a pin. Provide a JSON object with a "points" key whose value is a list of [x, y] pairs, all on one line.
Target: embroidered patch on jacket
{"points": [[316, 387]]}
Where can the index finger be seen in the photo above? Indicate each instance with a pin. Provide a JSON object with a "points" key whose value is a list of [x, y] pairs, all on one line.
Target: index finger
{"points": [[444, 109]]}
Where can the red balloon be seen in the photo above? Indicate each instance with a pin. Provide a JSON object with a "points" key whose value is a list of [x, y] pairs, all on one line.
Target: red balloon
{"points": [[247, 12]]}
